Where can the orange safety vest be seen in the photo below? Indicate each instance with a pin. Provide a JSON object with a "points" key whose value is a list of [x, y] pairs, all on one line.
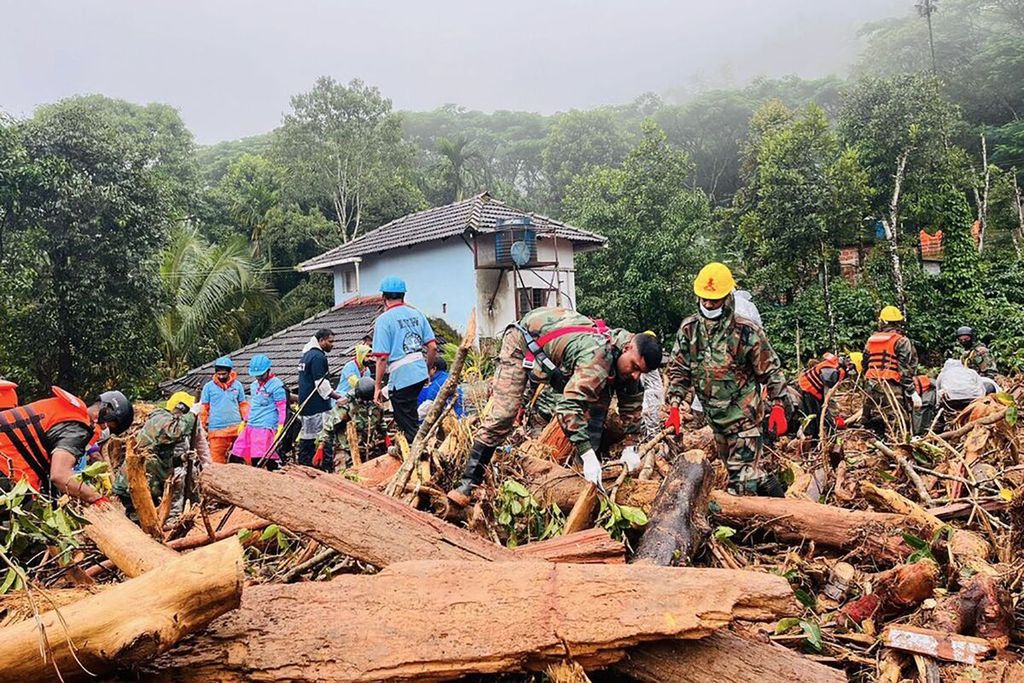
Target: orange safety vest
{"points": [[24, 448], [812, 383], [8, 394], [882, 361], [922, 383]]}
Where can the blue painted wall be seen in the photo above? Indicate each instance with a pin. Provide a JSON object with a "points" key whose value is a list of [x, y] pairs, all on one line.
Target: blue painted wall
{"points": [[439, 275]]}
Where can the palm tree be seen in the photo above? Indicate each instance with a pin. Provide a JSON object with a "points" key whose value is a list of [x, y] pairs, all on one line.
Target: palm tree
{"points": [[458, 155], [214, 291]]}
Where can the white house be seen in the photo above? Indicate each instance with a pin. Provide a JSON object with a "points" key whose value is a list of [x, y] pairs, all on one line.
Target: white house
{"points": [[477, 252]]}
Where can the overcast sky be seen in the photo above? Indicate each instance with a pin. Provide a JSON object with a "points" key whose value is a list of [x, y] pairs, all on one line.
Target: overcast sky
{"points": [[229, 66]]}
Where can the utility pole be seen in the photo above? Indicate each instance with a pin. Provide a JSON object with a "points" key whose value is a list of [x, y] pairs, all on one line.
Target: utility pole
{"points": [[925, 8]]}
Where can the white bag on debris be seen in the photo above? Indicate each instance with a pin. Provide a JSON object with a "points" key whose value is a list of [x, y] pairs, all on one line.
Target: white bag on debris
{"points": [[654, 397], [958, 383]]}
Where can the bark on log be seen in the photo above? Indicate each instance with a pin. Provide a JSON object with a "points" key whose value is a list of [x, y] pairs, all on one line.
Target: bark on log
{"points": [[552, 484], [138, 489], [17, 606], [874, 535], [983, 607], [495, 616], [723, 658], [373, 472], [131, 549], [894, 591], [676, 524], [127, 624], [552, 444], [357, 521], [583, 547]]}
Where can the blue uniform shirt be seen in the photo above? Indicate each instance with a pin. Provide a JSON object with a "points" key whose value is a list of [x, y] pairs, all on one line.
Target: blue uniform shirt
{"points": [[430, 392], [263, 403], [400, 335], [350, 370], [224, 403]]}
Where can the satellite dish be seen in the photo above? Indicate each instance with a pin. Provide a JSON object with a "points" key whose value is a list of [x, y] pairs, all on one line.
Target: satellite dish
{"points": [[520, 253]]}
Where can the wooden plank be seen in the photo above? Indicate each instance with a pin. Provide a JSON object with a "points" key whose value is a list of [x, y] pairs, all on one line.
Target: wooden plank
{"points": [[939, 644]]}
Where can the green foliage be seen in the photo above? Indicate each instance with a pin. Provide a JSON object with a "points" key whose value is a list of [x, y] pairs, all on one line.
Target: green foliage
{"points": [[522, 518], [618, 519], [578, 143]]}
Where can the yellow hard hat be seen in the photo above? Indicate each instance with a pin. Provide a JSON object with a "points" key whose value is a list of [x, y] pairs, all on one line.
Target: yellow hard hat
{"points": [[180, 397], [857, 358], [890, 314], [714, 281]]}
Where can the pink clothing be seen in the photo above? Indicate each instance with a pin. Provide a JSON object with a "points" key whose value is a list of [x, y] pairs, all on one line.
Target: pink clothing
{"points": [[255, 442]]}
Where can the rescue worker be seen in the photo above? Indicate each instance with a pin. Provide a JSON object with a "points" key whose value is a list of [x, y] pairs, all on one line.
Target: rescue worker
{"points": [[925, 415], [404, 346], [223, 408], [814, 383], [268, 410], [357, 407], [890, 362], [315, 396], [977, 357], [168, 433], [580, 358], [354, 369], [41, 442], [724, 359], [438, 376]]}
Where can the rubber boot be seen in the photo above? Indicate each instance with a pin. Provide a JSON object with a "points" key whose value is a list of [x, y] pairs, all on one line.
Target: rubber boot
{"points": [[479, 456], [771, 486]]}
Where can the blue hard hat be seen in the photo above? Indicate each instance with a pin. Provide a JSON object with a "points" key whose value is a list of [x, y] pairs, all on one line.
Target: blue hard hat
{"points": [[393, 285], [259, 364], [224, 362]]}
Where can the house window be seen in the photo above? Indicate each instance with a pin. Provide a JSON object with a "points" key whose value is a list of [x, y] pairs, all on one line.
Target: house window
{"points": [[530, 298], [348, 281]]}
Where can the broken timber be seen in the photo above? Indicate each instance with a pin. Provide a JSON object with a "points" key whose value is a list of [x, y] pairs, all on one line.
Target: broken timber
{"points": [[126, 545], [676, 526], [938, 644], [496, 616]]}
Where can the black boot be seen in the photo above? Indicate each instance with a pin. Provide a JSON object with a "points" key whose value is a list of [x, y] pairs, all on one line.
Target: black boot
{"points": [[479, 456], [771, 486]]}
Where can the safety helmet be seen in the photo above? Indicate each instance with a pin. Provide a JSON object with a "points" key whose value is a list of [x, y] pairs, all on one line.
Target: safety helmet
{"points": [[365, 388], [964, 331], [392, 285], [891, 314], [714, 281], [857, 358], [224, 362], [180, 398], [259, 364], [118, 409]]}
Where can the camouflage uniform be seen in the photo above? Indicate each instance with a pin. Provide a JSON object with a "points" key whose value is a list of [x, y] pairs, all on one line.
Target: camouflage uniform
{"points": [[369, 419], [980, 360], [725, 361], [629, 394], [876, 400], [586, 359], [167, 436]]}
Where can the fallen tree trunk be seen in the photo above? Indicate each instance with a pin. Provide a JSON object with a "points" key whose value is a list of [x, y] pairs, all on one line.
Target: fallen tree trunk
{"points": [[138, 489], [552, 484], [876, 535], [126, 624], [350, 518], [723, 658], [583, 547], [496, 617], [131, 549], [676, 524]]}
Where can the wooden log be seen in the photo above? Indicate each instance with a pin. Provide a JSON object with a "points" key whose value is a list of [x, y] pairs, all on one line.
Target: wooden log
{"points": [[131, 549], [894, 591], [127, 624], [581, 515], [552, 484], [552, 444], [240, 519], [722, 658], [467, 618], [354, 520], [138, 489], [582, 547], [352, 434], [876, 535], [18, 606], [939, 644], [676, 524], [983, 607]]}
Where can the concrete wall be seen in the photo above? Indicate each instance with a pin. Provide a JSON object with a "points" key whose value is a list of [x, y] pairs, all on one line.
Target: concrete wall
{"points": [[439, 276]]}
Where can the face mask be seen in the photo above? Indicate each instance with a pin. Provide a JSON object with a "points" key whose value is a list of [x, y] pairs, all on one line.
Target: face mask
{"points": [[711, 313]]}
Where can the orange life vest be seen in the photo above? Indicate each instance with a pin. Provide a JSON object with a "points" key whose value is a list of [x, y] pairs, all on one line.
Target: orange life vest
{"points": [[812, 383], [8, 394], [24, 448], [881, 356], [922, 383]]}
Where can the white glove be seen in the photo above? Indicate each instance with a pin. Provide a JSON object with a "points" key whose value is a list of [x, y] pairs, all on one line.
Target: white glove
{"points": [[592, 469], [630, 458], [196, 407], [915, 398]]}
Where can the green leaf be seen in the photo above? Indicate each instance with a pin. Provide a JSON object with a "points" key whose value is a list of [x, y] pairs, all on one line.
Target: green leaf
{"points": [[513, 486], [8, 581], [634, 516], [1011, 416], [270, 532], [914, 542], [805, 598], [813, 633], [786, 624], [723, 532], [1005, 398]]}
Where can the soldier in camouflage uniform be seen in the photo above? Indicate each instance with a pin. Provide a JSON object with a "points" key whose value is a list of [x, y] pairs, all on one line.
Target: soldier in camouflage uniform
{"points": [[725, 358], [357, 406], [604, 423], [584, 361], [977, 357], [890, 363], [167, 433]]}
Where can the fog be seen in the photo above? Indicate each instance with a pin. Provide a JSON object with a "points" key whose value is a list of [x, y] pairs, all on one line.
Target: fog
{"points": [[230, 66]]}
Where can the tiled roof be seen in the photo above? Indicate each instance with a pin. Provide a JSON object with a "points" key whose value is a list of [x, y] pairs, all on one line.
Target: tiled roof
{"points": [[478, 214], [350, 322]]}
